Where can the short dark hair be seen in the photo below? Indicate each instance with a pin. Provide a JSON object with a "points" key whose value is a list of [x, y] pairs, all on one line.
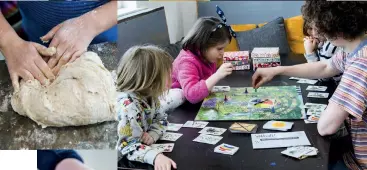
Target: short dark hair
{"points": [[205, 34], [334, 19], [306, 28]]}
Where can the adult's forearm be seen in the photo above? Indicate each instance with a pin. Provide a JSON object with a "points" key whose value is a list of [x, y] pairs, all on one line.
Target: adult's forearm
{"points": [[103, 17], [315, 70], [7, 33]]}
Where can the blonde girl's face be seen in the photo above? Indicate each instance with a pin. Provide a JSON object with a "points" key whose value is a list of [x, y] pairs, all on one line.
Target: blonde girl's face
{"points": [[214, 53]]}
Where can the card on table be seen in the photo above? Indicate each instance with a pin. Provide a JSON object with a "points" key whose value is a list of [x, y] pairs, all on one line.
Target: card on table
{"points": [[278, 125], [174, 126], [221, 89], [308, 122], [313, 118], [307, 81], [315, 106], [209, 139], [213, 131], [226, 149], [169, 136], [195, 124], [279, 139], [243, 128], [318, 95], [316, 88], [300, 152], [294, 78], [166, 147]]}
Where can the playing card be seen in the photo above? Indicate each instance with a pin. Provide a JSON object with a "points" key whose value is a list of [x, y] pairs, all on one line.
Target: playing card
{"points": [[307, 81], [315, 106], [166, 147], [294, 78], [308, 122], [313, 118], [299, 152], [209, 139], [318, 95], [278, 125], [170, 136], [316, 88], [195, 124], [226, 149], [243, 128], [221, 89], [316, 112], [213, 131], [174, 126]]}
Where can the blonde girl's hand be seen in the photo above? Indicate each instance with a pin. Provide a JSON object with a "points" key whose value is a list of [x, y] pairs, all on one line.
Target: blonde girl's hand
{"points": [[310, 44], [162, 162]]}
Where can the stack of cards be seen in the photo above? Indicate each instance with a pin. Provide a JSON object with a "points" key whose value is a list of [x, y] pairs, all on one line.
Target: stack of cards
{"points": [[300, 152], [314, 111], [166, 147], [243, 128], [316, 88], [278, 125], [318, 95], [226, 149]]}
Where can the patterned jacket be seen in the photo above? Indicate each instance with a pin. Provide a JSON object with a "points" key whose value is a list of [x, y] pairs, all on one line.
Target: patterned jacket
{"points": [[136, 117]]}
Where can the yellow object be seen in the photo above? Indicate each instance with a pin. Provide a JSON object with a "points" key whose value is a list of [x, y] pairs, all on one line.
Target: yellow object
{"points": [[294, 29], [278, 124]]}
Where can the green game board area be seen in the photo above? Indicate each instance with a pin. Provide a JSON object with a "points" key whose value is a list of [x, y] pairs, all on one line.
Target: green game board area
{"points": [[266, 103]]}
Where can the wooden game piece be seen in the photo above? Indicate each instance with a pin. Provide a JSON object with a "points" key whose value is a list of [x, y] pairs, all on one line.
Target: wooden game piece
{"points": [[272, 110], [246, 91], [225, 98]]}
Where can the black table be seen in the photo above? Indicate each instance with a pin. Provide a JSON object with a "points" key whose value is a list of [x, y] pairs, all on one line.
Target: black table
{"points": [[193, 155]]}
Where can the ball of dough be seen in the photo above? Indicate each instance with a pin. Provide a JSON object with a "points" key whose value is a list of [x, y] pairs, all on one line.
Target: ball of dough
{"points": [[83, 93]]}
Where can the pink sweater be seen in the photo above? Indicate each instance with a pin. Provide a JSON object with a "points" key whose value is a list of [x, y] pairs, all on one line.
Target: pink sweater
{"points": [[189, 73]]}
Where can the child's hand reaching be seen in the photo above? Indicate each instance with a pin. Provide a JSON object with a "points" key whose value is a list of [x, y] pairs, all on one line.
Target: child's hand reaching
{"points": [[147, 139], [224, 70], [162, 162], [310, 44]]}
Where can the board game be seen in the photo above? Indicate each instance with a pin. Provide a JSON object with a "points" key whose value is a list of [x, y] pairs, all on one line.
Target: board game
{"points": [[246, 103]]}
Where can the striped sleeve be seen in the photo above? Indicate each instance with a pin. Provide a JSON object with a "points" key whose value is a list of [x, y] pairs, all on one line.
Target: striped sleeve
{"points": [[351, 93], [338, 61]]}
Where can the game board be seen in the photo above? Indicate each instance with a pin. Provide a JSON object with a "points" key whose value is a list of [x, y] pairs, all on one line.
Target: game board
{"points": [[265, 103]]}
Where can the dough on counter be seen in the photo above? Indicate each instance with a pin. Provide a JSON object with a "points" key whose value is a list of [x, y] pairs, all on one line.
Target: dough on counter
{"points": [[83, 93]]}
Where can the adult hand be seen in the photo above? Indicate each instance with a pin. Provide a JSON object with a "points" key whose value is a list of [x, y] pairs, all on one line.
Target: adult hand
{"points": [[263, 75], [24, 61], [71, 39], [162, 162]]}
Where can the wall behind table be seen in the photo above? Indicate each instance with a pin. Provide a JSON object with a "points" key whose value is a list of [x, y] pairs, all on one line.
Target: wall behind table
{"points": [[251, 12]]}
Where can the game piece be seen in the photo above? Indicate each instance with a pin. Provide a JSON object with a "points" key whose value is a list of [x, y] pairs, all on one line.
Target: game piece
{"points": [[246, 91], [272, 110], [286, 100], [169, 136], [316, 88], [166, 147], [226, 149], [217, 89], [209, 139], [243, 128], [239, 59], [195, 124], [265, 57], [213, 131], [279, 140], [318, 95], [278, 125], [225, 98], [255, 90], [174, 126]]}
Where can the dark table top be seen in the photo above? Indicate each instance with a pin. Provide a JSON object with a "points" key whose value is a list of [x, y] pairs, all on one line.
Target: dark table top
{"points": [[19, 132], [193, 155]]}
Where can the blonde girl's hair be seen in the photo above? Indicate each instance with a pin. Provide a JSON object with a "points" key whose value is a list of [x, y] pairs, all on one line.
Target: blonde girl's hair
{"points": [[144, 70]]}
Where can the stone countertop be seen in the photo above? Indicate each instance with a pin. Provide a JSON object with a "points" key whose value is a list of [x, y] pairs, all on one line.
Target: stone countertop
{"points": [[19, 132]]}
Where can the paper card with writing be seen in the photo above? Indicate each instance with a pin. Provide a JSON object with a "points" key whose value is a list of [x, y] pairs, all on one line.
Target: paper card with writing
{"points": [[307, 81], [195, 124], [278, 125], [318, 95], [316, 88], [315, 106], [313, 118], [213, 131], [309, 122], [169, 136], [243, 128], [166, 147], [279, 140], [226, 149], [298, 152], [314, 111], [174, 126], [209, 139], [221, 89]]}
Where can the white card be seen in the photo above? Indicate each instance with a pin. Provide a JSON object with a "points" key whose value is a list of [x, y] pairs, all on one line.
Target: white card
{"points": [[195, 124], [315, 106], [307, 81], [309, 122], [279, 140], [213, 131], [316, 88], [298, 151], [174, 126], [166, 147], [318, 95], [278, 125], [294, 78], [171, 136], [209, 139], [226, 149], [221, 89]]}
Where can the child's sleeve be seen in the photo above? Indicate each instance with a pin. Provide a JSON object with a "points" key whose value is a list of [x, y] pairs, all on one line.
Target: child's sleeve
{"points": [[195, 90], [130, 130], [158, 126], [311, 57], [351, 93]]}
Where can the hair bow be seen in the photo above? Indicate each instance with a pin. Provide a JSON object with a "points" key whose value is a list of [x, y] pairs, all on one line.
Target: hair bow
{"points": [[221, 15]]}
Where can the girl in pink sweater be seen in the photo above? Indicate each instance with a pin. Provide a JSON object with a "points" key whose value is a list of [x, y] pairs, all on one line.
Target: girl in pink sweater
{"points": [[194, 71]]}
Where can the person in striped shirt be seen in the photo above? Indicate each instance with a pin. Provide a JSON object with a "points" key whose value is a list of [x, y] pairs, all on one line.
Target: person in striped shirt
{"points": [[344, 25]]}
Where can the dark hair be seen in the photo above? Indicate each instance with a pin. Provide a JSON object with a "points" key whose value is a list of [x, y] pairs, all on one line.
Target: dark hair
{"points": [[334, 19], [306, 27], [205, 34]]}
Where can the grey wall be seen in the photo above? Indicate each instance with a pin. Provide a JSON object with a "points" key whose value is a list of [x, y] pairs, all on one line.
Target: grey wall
{"points": [[251, 12], [149, 28]]}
